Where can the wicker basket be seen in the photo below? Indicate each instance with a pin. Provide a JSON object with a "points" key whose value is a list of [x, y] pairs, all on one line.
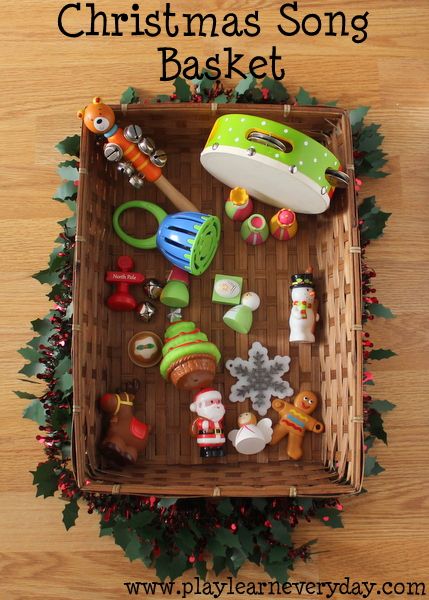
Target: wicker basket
{"points": [[171, 466]]}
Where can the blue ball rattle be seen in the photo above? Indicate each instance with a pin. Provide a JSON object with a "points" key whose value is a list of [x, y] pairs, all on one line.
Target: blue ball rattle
{"points": [[189, 240]]}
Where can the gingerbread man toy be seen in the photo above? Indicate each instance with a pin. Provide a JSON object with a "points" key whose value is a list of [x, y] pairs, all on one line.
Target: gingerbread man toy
{"points": [[295, 420]]}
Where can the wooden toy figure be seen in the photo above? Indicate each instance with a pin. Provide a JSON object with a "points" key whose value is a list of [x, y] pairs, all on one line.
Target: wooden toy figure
{"points": [[141, 159], [239, 206], [207, 428], [254, 230], [126, 435], [295, 420], [283, 225], [303, 314], [240, 317], [251, 437], [122, 299]]}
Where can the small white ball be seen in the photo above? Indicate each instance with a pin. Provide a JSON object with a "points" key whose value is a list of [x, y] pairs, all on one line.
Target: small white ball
{"points": [[251, 300]]}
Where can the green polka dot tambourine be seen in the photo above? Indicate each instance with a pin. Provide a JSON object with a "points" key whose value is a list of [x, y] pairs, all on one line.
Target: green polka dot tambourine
{"points": [[273, 162]]}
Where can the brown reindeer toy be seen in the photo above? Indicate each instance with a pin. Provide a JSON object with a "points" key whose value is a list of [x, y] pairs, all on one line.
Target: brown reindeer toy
{"points": [[126, 436]]}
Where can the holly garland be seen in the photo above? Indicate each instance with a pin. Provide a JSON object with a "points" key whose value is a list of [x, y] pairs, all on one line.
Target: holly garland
{"points": [[168, 534]]}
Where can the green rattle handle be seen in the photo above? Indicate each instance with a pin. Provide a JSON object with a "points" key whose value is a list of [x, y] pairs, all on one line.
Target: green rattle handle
{"points": [[145, 243]]}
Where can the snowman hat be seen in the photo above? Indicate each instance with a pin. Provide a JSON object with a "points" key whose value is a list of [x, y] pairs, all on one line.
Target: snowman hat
{"points": [[205, 394], [303, 279]]}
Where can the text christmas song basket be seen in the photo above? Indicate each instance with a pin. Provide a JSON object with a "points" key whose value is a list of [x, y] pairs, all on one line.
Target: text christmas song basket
{"points": [[332, 367]]}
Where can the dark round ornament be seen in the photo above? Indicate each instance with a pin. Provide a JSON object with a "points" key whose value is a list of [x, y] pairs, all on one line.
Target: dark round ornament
{"points": [[145, 311], [152, 288]]}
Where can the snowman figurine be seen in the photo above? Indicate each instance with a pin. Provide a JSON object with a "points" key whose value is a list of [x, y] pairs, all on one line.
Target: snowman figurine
{"points": [[252, 437], [303, 314]]}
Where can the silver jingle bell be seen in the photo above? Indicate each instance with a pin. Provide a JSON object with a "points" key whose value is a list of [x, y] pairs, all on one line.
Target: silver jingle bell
{"points": [[159, 158], [137, 181], [147, 146], [145, 311], [152, 288], [126, 168], [133, 133], [112, 152]]}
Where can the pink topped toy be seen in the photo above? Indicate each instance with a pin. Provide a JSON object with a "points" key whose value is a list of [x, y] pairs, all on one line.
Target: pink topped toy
{"points": [[207, 428], [122, 299]]}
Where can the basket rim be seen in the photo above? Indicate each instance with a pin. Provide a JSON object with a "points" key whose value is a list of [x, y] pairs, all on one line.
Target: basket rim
{"points": [[88, 481]]}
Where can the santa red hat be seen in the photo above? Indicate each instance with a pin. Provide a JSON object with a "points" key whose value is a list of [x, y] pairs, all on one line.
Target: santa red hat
{"points": [[205, 394]]}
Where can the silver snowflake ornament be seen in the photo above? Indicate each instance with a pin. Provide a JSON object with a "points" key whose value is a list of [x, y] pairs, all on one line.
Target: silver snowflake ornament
{"points": [[259, 378]]}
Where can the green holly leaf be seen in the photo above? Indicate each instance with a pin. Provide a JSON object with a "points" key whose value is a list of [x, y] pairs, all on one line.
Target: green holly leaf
{"points": [[172, 567], [369, 139], [375, 426], [129, 96], [166, 502], [25, 395], [29, 354], [278, 554], [381, 354], [219, 563], [304, 98], [185, 541], [382, 405], [201, 569], [35, 412], [372, 467], [367, 207], [69, 145], [33, 368], [280, 532], [63, 366], [133, 548], [47, 276], [260, 504], [225, 507], [122, 534], [306, 503], [374, 225], [379, 310], [246, 538], [329, 517], [60, 417], [141, 519], [162, 98], [221, 99], [70, 514], [277, 571], [65, 383], [65, 191], [46, 478], [204, 84], [215, 547], [69, 173], [369, 442], [247, 83], [182, 90], [357, 115], [42, 326], [278, 92], [227, 538], [235, 561]]}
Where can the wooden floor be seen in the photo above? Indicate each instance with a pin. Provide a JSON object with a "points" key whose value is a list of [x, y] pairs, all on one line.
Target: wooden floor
{"points": [[45, 79]]}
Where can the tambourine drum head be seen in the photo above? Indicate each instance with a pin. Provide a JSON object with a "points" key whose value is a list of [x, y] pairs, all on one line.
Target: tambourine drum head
{"points": [[265, 179]]}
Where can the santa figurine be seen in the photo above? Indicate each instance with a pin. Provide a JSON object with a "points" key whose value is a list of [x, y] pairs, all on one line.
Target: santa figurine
{"points": [[207, 428]]}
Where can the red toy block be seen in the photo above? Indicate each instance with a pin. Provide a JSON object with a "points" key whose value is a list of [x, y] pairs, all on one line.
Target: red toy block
{"points": [[122, 299]]}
